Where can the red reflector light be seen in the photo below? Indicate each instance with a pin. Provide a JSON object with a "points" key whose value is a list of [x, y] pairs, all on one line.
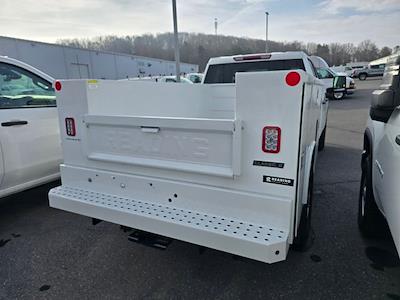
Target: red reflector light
{"points": [[292, 78], [58, 86], [271, 139], [252, 57], [70, 126]]}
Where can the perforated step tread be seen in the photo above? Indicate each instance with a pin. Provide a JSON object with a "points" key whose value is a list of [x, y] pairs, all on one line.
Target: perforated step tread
{"points": [[235, 228]]}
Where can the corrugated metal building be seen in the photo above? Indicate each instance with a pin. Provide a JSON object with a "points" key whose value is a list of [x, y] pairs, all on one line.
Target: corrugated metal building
{"points": [[66, 62]]}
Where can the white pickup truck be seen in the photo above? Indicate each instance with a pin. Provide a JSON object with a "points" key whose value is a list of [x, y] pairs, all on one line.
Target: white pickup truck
{"points": [[222, 70], [327, 75], [30, 147], [227, 165], [379, 188]]}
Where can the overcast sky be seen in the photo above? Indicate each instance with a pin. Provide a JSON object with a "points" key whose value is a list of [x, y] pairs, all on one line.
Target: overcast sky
{"points": [[320, 21]]}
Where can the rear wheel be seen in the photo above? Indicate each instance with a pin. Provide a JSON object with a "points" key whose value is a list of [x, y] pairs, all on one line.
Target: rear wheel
{"points": [[303, 232], [321, 142], [362, 76], [369, 215], [338, 95]]}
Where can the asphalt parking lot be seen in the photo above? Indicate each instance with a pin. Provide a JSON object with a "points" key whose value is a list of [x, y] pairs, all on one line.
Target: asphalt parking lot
{"points": [[51, 254]]}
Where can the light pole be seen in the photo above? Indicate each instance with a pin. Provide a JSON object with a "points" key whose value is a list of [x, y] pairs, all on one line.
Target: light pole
{"points": [[177, 56], [266, 31]]}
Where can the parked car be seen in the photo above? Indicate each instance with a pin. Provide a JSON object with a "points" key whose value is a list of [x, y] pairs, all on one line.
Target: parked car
{"points": [[342, 69], [173, 79], [29, 134], [228, 164], [327, 75], [195, 77], [370, 71], [379, 189]]}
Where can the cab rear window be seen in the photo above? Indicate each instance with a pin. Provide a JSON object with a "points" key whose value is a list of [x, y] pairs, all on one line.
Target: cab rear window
{"points": [[225, 73]]}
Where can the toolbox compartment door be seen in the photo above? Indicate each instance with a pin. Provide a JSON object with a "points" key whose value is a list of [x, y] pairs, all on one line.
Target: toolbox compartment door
{"points": [[206, 146]]}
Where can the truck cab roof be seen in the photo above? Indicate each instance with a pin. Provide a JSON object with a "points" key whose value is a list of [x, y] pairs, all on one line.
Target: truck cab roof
{"points": [[257, 56], [222, 70]]}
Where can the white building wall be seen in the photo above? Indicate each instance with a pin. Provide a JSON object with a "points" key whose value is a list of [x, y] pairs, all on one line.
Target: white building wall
{"points": [[126, 66], [103, 65], [67, 62], [47, 58], [379, 61], [77, 63]]}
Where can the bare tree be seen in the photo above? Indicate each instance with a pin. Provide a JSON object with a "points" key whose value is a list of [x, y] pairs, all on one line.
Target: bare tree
{"points": [[385, 51], [366, 51], [197, 48]]}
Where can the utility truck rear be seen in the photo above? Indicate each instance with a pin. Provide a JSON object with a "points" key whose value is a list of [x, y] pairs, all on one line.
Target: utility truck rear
{"points": [[228, 166]]}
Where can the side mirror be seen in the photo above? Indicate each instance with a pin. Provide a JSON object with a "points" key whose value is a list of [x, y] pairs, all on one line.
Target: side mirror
{"points": [[339, 82], [338, 89], [382, 106]]}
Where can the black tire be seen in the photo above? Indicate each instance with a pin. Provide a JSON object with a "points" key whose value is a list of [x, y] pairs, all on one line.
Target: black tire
{"points": [[321, 142], [370, 218], [362, 76], [303, 232]]}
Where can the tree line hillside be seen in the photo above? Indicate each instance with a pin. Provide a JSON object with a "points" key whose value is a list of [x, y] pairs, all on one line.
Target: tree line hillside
{"points": [[197, 48]]}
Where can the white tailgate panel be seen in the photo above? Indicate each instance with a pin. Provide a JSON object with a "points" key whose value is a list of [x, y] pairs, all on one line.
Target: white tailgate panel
{"points": [[194, 145]]}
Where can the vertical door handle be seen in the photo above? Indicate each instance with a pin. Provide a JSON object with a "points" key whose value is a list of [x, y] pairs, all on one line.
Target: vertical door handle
{"points": [[398, 140]]}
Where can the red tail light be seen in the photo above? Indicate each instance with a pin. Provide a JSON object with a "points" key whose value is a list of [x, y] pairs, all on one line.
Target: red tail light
{"points": [[58, 86], [292, 78], [70, 126], [271, 139]]}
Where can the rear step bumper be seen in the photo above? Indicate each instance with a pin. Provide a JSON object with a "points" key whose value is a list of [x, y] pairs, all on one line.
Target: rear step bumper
{"points": [[256, 241]]}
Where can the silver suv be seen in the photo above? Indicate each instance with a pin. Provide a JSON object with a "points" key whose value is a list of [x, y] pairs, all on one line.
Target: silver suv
{"points": [[369, 71]]}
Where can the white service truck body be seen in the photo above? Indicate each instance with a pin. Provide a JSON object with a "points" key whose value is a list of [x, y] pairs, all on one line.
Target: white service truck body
{"points": [[222, 166]]}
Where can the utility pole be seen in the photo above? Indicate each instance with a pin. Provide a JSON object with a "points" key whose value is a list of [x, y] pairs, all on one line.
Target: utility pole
{"points": [[177, 56], [266, 31], [216, 26]]}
